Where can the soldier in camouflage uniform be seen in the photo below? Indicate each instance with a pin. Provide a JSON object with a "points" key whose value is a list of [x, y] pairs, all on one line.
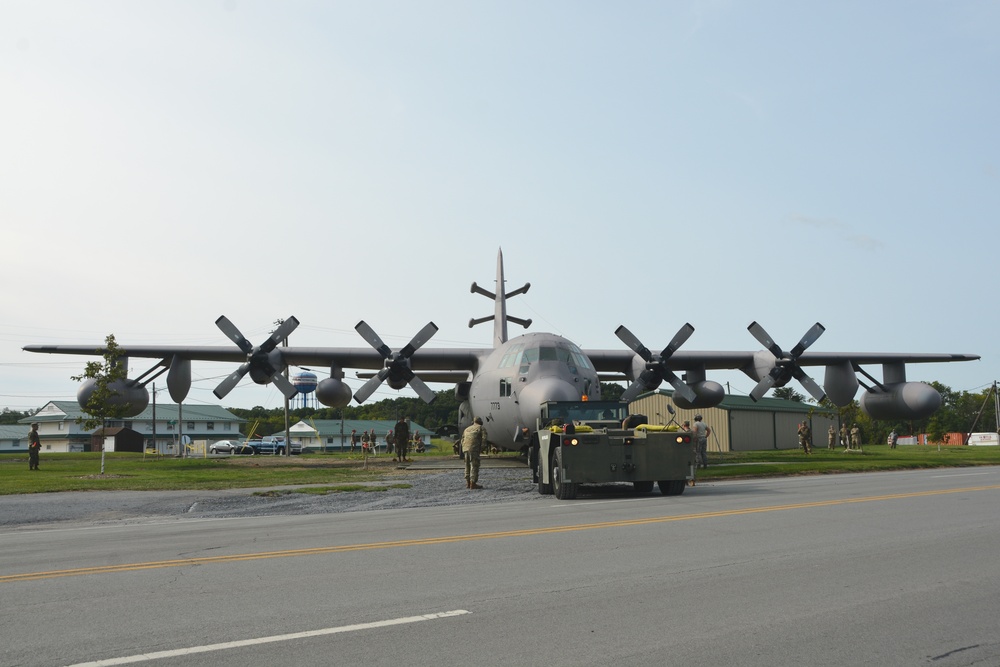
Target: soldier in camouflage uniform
{"points": [[473, 442], [34, 446], [805, 438]]}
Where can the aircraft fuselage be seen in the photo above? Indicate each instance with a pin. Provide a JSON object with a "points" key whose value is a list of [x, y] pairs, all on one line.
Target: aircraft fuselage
{"points": [[521, 374]]}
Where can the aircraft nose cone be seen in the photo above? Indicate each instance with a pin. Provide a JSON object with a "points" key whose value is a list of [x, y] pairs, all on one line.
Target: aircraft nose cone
{"points": [[540, 391]]}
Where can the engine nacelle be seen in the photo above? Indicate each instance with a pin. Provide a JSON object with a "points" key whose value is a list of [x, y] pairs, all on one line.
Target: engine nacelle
{"points": [[840, 383], [128, 393], [333, 393], [908, 400], [708, 394], [397, 383], [638, 366], [179, 379], [763, 363], [264, 365]]}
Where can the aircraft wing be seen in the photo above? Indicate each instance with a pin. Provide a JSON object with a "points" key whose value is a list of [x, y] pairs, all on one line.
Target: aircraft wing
{"points": [[441, 359], [774, 368], [446, 364], [829, 358], [620, 361]]}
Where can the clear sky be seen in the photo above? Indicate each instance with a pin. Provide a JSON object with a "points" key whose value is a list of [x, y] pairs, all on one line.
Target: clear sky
{"points": [[641, 163]]}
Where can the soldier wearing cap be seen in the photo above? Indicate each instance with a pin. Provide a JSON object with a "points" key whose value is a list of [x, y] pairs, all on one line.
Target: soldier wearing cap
{"points": [[701, 433], [805, 438]]}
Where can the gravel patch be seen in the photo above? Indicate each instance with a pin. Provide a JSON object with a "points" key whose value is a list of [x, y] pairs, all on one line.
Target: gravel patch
{"points": [[428, 488]]}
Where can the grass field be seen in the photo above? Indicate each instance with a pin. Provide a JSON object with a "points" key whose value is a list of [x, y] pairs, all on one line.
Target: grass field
{"points": [[136, 472], [344, 472], [826, 461]]}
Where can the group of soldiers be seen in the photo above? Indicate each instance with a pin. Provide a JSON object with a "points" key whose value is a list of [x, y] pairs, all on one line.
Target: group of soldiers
{"points": [[398, 442], [850, 440]]}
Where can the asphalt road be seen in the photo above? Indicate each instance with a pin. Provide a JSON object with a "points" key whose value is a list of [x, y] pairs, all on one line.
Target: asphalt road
{"points": [[883, 568]]}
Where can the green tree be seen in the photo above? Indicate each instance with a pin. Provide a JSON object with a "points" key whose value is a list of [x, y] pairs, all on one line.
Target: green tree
{"points": [[788, 394], [9, 416], [611, 391], [106, 401]]}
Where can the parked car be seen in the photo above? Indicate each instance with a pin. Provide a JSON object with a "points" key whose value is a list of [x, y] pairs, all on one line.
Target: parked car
{"points": [[245, 448], [224, 447], [275, 444], [253, 445]]}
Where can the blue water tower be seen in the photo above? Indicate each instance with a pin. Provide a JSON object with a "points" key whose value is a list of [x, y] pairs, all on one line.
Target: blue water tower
{"points": [[306, 383]]}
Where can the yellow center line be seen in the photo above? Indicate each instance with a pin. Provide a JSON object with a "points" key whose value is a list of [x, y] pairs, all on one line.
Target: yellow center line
{"points": [[447, 539]]}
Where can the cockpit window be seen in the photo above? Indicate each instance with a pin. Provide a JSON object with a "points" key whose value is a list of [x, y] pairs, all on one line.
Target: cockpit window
{"points": [[578, 357], [566, 353], [510, 357]]}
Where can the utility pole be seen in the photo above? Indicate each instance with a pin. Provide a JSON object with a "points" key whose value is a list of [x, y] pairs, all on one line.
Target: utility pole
{"points": [[975, 422], [180, 430], [154, 423], [996, 405], [288, 435]]}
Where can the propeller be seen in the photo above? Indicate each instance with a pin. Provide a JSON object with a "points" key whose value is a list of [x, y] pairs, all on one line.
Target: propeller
{"points": [[656, 367], [397, 365], [786, 366], [263, 363]]}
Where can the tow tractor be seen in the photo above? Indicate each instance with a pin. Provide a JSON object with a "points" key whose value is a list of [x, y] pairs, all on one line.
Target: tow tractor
{"points": [[598, 442]]}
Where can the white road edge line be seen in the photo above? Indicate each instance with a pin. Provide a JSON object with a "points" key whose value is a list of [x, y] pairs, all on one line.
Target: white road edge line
{"points": [[961, 474], [145, 657]]}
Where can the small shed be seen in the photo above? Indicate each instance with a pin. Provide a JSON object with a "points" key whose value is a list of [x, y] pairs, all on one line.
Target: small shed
{"points": [[117, 439], [740, 424]]}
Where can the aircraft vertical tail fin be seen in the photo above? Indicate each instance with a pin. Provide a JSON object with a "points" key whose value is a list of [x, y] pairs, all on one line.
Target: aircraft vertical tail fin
{"points": [[500, 316]]}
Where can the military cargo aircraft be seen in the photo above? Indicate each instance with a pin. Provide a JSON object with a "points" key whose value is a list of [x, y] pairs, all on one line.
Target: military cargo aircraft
{"points": [[506, 383]]}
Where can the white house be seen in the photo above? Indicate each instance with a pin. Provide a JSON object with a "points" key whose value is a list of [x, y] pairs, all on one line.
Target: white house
{"points": [[59, 431]]}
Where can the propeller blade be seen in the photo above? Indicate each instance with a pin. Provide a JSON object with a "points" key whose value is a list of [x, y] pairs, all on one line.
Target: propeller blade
{"points": [[680, 387], [373, 339], [368, 388], [762, 387], [284, 386], [280, 334], [656, 365], [397, 365], [423, 391], [233, 334], [633, 390], [679, 339], [809, 384], [230, 382], [764, 339], [422, 337], [633, 343], [815, 332]]}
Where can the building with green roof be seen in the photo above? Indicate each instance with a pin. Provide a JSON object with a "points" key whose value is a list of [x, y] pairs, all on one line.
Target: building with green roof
{"points": [[59, 431], [13, 438], [740, 424], [335, 434]]}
